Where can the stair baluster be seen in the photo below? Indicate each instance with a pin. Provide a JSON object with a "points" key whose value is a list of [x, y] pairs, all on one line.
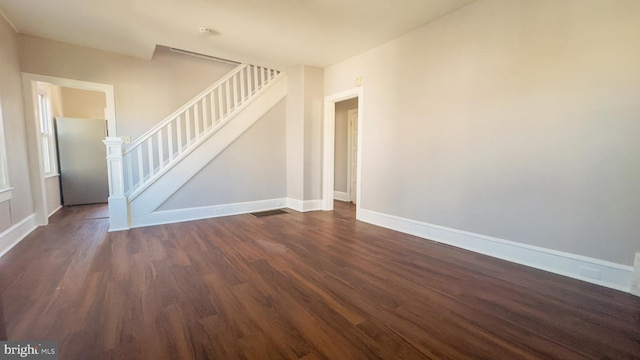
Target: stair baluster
{"points": [[160, 148]]}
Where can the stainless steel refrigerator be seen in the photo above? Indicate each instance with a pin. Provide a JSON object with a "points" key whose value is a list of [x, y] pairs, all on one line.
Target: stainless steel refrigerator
{"points": [[82, 161]]}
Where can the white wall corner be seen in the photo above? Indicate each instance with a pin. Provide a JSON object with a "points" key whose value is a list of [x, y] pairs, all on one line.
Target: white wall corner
{"points": [[13, 26], [295, 204], [13, 235], [600, 272], [635, 285], [312, 205], [339, 195], [304, 205], [55, 210], [118, 213]]}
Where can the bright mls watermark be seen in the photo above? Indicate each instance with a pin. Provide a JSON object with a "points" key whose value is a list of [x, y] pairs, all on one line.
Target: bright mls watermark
{"points": [[10, 350]]}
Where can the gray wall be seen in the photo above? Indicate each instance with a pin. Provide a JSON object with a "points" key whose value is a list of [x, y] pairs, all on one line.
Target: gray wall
{"points": [[21, 205], [513, 119], [252, 168]]}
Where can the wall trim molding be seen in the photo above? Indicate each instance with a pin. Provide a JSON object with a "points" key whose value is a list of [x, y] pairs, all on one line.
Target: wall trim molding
{"points": [[16, 233], [55, 210], [6, 194], [304, 205], [340, 195], [611, 275], [206, 212]]}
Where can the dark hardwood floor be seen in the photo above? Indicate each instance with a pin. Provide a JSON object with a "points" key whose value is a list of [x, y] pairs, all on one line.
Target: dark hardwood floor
{"points": [[317, 285]]}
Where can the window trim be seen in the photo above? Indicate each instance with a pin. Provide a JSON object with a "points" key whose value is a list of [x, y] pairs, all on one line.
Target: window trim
{"points": [[47, 136]]}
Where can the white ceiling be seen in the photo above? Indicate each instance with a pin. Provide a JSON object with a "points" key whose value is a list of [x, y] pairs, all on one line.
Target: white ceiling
{"points": [[271, 32]]}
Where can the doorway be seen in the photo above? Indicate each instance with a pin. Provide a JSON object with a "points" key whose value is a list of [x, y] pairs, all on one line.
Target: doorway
{"points": [[328, 176], [39, 184], [72, 127], [345, 150]]}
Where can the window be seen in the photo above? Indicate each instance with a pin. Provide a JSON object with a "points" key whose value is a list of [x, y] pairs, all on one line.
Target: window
{"points": [[5, 189], [46, 129]]}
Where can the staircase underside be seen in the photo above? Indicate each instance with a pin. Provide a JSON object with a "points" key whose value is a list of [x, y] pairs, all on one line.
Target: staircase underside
{"points": [[142, 208]]}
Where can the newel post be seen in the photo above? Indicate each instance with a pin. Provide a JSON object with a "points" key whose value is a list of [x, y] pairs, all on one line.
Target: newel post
{"points": [[118, 204]]}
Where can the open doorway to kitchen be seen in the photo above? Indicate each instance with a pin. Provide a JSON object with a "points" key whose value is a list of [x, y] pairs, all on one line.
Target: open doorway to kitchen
{"points": [[43, 148]]}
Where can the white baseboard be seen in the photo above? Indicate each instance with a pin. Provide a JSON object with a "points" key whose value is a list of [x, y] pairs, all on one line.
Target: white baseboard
{"points": [[303, 206], [55, 210], [342, 196], [205, 212], [635, 285], [600, 272], [13, 235]]}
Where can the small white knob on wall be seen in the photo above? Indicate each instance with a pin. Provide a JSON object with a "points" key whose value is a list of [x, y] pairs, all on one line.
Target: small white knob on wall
{"points": [[635, 284]]}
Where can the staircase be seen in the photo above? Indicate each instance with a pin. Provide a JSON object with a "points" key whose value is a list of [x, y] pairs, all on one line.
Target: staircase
{"points": [[147, 172]]}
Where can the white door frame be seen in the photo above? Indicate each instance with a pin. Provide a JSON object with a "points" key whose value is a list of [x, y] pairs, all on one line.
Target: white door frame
{"points": [[350, 147], [29, 90], [329, 143]]}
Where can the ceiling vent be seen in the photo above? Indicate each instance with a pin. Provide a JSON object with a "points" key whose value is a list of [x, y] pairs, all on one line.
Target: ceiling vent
{"points": [[203, 56]]}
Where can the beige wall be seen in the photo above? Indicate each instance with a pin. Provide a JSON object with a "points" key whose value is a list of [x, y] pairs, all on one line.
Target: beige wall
{"points": [[56, 100], [513, 119], [313, 112], [52, 189], [21, 205], [295, 133], [340, 154], [146, 91], [252, 168], [83, 104], [305, 100]]}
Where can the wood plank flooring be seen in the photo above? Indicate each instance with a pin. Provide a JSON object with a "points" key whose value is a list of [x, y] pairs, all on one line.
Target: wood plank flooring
{"points": [[317, 285]]}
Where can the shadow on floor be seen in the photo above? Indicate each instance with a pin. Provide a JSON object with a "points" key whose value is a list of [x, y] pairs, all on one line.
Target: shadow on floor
{"points": [[81, 212]]}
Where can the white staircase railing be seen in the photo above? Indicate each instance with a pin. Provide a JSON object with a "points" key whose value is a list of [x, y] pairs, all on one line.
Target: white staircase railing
{"points": [[160, 148]]}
